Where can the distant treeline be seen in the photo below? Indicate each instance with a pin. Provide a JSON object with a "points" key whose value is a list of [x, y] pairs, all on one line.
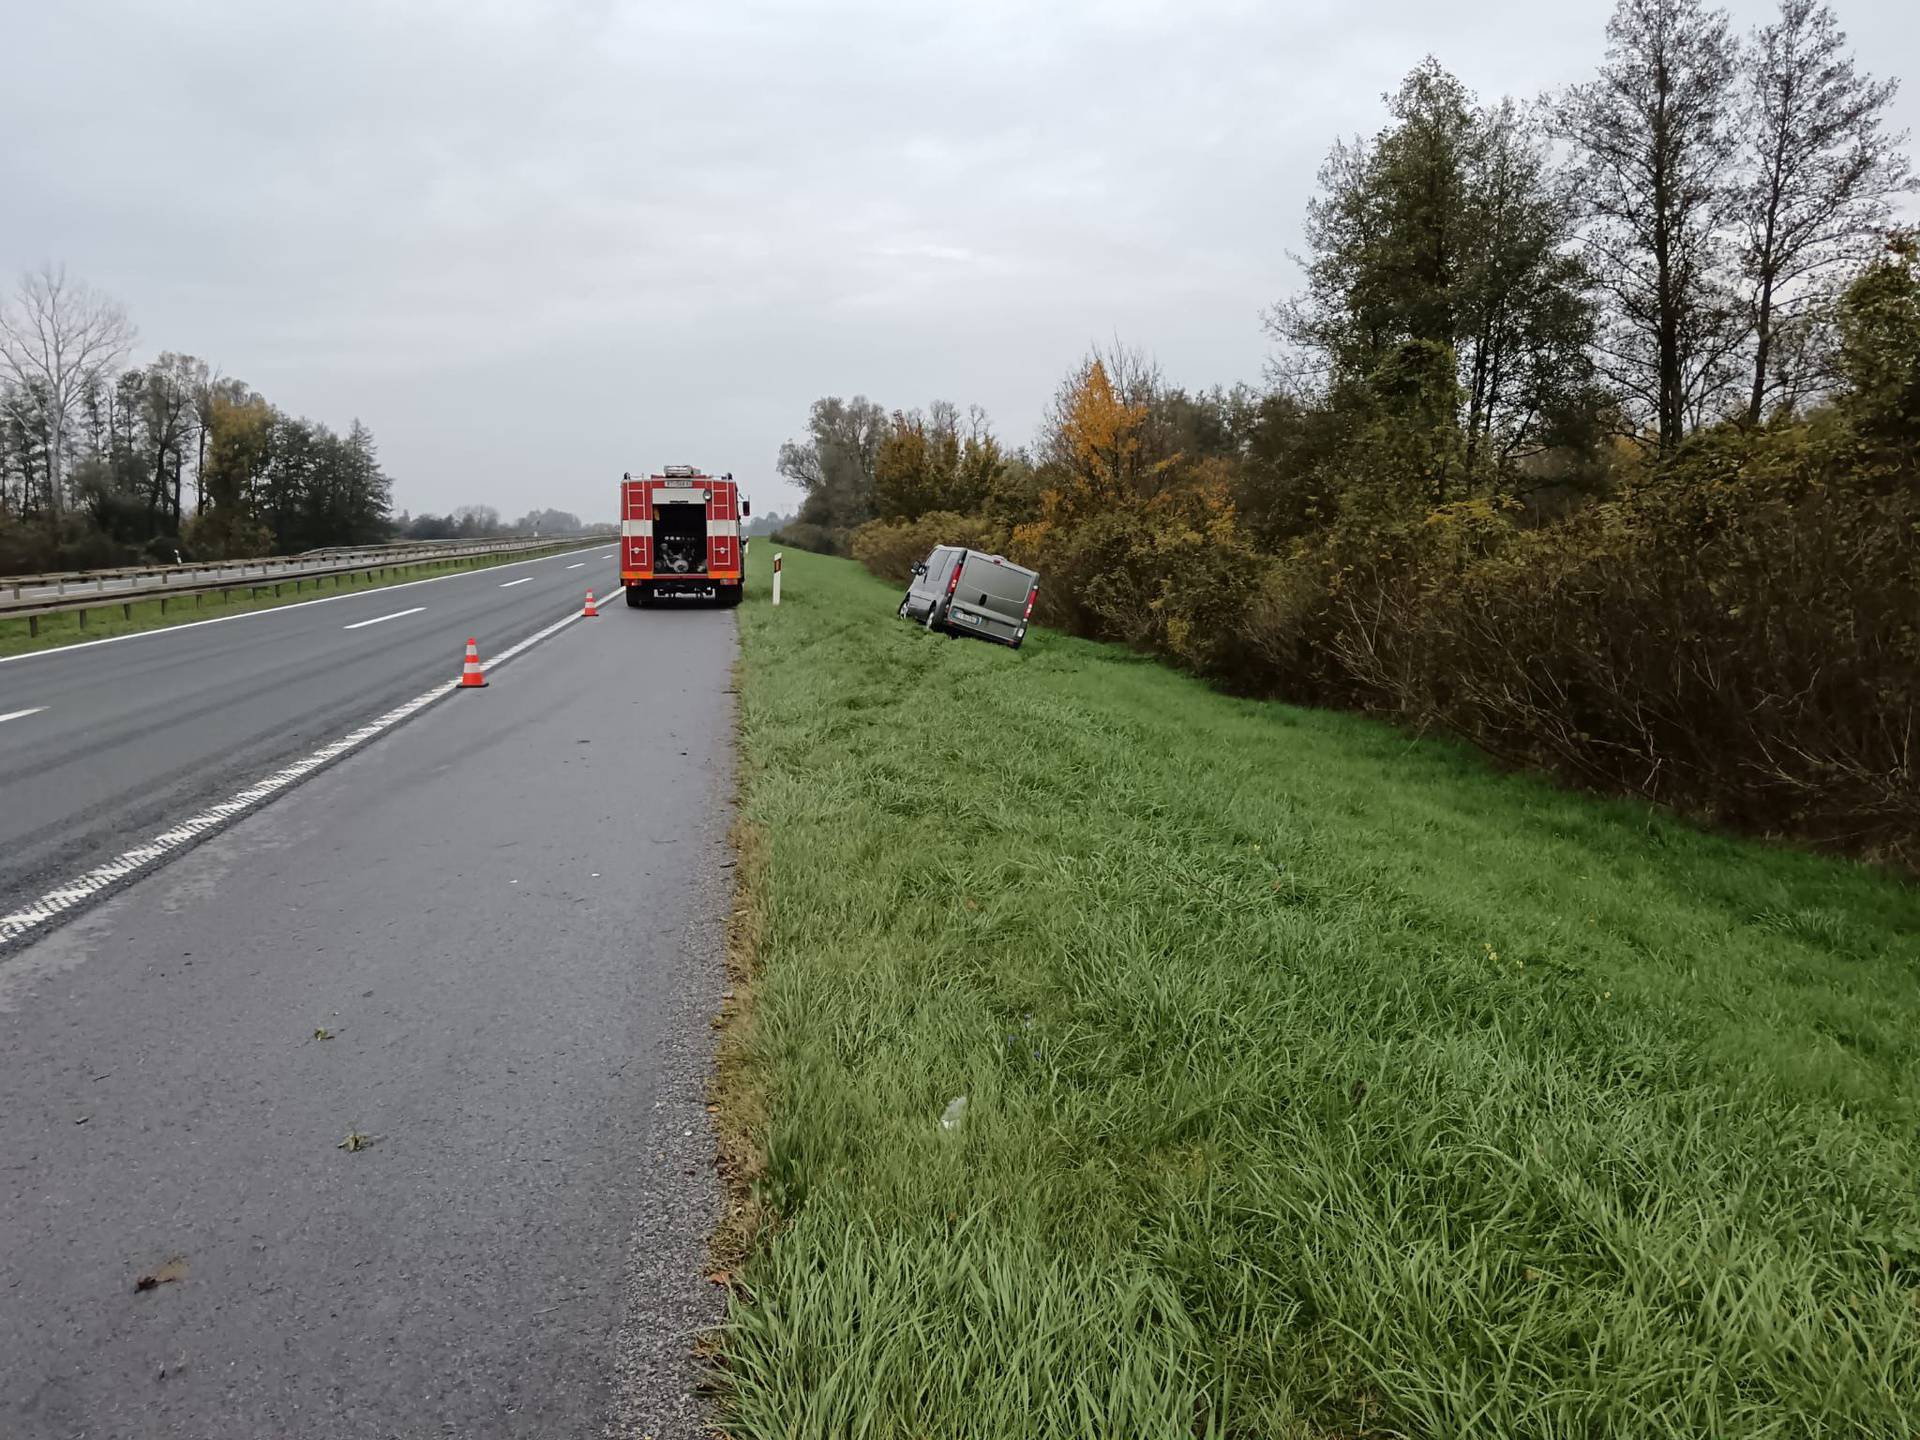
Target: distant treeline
{"points": [[474, 522], [103, 465], [1611, 465]]}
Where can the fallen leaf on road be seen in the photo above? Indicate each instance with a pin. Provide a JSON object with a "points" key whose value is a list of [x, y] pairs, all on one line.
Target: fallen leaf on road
{"points": [[355, 1141], [320, 1032], [174, 1270], [83, 1119]]}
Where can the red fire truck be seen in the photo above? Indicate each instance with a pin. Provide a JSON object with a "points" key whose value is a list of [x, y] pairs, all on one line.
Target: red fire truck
{"points": [[680, 535]]}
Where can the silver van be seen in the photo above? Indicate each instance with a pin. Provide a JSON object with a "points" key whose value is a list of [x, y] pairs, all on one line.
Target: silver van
{"points": [[969, 592]]}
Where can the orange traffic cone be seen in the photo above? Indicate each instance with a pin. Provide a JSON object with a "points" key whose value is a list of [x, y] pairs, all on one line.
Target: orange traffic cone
{"points": [[590, 613], [471, 676]]}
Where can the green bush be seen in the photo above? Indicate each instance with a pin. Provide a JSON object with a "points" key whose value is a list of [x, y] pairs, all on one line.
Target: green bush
{"points": [[805, 535], [891, 548]]}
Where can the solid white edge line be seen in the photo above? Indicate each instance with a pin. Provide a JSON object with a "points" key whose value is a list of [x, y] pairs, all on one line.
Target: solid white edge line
{"points": [[382, 619], [508, 585], [21, 714], [217, 817], [54, 650]]}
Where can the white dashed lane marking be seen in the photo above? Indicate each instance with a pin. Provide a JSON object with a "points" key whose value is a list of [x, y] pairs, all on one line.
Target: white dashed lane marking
{"points": [[382, 619], [521, 581], [20, 714]]}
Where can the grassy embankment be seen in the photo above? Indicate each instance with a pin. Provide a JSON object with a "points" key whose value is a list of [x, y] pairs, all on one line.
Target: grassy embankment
{"points": [[106, 618], [1320, 1081]]}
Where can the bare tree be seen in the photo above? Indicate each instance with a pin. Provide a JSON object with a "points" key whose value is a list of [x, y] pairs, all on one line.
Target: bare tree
{"points": [[1823, 169], [60, 338], [169, 396], [1655, 147], [834, 465]]}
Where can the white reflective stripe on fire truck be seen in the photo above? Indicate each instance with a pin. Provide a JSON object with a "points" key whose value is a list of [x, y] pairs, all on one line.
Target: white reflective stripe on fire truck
{"points": [[630, 528], [723, 527]]}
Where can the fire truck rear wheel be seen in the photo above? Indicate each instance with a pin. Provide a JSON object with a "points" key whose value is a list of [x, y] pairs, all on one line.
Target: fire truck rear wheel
{"points": [[730, 594], [635, 598]]}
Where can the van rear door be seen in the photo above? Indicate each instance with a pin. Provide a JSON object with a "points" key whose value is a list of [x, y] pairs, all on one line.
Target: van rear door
{"points": [[990, 597]]}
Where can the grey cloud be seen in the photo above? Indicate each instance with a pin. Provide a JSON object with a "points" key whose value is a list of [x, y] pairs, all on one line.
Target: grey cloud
{"points": [[535, 244]]}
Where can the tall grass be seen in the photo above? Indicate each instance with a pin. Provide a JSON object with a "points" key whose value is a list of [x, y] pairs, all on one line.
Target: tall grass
{"points": [[1319, 1081]]}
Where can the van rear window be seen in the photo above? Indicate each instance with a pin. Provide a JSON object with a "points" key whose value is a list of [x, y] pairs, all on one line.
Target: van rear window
{"points": [[1004, 585]]}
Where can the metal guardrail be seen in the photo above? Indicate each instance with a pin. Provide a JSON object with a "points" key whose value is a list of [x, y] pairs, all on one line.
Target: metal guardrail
{"points": [[294, 570], [63, 582]]}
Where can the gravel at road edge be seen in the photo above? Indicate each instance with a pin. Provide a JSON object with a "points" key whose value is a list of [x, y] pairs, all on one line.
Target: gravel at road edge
{"points": [[669, 1302]]}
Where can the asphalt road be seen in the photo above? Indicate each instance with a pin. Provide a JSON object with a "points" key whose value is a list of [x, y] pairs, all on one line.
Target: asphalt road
{"points": [[508, 915], [109, 742]]}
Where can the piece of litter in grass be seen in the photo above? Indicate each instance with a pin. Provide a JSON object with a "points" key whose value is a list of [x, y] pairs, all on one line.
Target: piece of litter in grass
{"points": [[955, 1112]]}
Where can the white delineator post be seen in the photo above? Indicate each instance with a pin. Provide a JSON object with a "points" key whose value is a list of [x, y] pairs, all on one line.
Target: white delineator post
{"points": [[776, 577]]}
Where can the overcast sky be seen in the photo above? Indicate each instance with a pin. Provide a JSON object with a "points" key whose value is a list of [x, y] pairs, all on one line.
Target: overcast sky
{"points": [[533, 245]]}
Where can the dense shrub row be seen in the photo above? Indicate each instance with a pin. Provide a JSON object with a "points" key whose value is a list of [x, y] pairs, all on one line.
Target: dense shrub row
{"points": [[1733, 629], [1611, 476]]}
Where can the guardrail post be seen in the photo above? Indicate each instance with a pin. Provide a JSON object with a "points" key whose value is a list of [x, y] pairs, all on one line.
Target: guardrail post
{"points": [[33, 626]]}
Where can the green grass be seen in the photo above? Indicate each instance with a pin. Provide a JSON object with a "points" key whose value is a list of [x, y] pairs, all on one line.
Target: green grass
{"points": [[106, 618], [1321, 1082]]}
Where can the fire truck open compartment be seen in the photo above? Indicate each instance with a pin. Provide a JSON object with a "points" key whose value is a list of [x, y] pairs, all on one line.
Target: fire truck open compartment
{"points": [[680, 538]]}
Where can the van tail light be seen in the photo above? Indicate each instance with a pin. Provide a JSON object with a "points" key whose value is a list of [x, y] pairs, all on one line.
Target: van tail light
{"points": [[1032, 595], [953, 581]]}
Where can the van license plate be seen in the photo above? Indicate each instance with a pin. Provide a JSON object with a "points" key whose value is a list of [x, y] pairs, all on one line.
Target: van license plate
{"points": [[970, 619]]}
